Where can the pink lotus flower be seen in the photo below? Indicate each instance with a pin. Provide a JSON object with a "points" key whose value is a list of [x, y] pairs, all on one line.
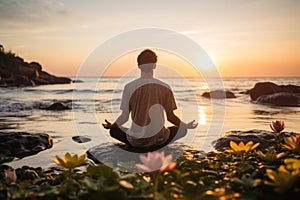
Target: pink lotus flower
{"points": [[10, 176], [156, 162], [292, 143], [277, 126]]}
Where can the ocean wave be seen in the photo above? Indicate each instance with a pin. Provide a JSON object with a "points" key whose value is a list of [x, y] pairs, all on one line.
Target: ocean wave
{"points": [[18, 108], [68, 91]]}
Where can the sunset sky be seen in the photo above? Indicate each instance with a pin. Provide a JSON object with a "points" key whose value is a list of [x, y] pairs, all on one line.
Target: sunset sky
{"points": [[243, 38]]}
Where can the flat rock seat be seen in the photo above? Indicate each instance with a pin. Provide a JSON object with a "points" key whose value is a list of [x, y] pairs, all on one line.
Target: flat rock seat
{"points": [[119, 153]]}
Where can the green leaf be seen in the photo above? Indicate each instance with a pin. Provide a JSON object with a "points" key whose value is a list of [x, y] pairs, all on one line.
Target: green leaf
{"points": [[90, 184], [127, 165], [247, 182], [100, 171], [142, 185], [111, 188], [128, 176], [244, 168]]}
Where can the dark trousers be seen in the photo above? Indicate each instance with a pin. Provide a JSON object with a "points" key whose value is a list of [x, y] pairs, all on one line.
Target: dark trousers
{"points": [[120, 134]]}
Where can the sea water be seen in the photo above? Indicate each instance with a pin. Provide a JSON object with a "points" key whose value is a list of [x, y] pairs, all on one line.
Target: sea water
{"points": [[94, 99]]}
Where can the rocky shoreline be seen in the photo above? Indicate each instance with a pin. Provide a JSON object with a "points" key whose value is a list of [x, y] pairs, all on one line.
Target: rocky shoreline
{"points": [[15, 72]]}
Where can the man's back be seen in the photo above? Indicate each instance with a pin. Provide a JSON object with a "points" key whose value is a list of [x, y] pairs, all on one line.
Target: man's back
{"points": [[147, 99]]}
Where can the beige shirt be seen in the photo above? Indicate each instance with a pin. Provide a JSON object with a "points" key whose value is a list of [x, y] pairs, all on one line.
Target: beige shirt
{"points": [[147, 99]]}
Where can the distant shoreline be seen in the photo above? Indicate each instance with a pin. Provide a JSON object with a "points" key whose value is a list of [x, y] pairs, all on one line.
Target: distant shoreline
{"points": [[15, 72]]}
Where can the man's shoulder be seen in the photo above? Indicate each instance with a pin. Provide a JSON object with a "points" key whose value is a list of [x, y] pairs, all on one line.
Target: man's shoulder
{"points": [[137, 83], [132, 83], [140, 81], [162, 83]]}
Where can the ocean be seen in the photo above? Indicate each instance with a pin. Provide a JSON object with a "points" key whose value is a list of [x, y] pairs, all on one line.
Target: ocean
{"points": [[92, 100]]}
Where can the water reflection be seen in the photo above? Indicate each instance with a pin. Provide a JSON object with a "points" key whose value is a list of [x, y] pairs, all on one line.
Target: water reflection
{"points": [[202, 115]]}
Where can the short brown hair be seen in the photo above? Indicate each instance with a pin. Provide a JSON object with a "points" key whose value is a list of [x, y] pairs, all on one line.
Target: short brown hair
{"points": [[147, 56]]}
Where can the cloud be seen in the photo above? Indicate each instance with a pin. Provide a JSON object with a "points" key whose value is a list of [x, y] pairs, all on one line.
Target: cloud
{"points": [[22, 10], [63, 12], [27, 14]]}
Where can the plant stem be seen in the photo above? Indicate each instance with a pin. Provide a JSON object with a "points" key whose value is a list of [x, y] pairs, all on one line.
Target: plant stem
{"points": [[155, 185]]}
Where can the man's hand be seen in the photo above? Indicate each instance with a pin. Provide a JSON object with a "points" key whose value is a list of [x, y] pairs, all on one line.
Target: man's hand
{"points": [[191, 125], [107, 124]]}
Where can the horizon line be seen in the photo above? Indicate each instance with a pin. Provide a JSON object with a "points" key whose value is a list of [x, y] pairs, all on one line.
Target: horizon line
{"points": [[192, 76]]}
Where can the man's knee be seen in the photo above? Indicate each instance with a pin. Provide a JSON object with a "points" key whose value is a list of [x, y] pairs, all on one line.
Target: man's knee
{"points": [[113, 132], [177, 130], [177, 133], [117, 131]]}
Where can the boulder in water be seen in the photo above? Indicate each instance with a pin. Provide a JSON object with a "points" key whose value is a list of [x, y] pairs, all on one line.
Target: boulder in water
{"points": [[22, 144], [58, 106], [267, 88], [81, 139], [280, 99], [219, 94], [275, 95]]}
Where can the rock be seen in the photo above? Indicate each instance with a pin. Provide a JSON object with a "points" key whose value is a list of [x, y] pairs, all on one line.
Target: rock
{"points": [[81, 139], [15, 72], [219, 94], [57, 106], [26, 71], [118, 153], [45, 78], [23, 81], [78, 81], [22, 144], [265, 138], [280, 99], [275, 95], [267, 88]]}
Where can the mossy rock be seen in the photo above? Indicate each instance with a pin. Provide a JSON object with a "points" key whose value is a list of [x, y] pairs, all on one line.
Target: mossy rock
{"points": [[265, 138]]}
